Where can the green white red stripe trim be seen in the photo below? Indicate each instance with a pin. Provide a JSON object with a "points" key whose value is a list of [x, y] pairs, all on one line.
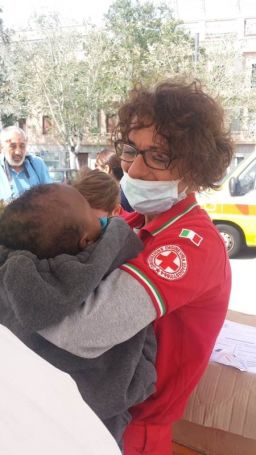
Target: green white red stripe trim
{"points": [[173, 220], [148, 285]]}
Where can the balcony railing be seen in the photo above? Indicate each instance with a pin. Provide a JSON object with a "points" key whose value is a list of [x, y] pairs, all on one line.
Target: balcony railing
{"points": [[244, 135]]}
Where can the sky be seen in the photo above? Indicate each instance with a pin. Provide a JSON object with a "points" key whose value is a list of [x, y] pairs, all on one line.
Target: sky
{"points": [[16, 12]]}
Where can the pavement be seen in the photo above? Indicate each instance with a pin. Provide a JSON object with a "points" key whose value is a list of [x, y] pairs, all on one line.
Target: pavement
{"points": [[243, 293]]}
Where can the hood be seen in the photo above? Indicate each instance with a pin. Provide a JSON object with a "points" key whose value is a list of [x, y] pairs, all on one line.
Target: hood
{"points": [[35, 293]]}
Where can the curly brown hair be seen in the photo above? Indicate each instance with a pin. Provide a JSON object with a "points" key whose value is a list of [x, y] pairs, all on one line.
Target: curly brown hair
{"points": [[191, 124]]}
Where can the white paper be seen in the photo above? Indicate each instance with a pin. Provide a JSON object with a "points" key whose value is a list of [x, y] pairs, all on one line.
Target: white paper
{"points": [[41, 410], [236, 346]]}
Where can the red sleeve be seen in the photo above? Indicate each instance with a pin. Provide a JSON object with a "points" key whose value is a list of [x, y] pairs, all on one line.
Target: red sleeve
{"points": [[175, 271]]}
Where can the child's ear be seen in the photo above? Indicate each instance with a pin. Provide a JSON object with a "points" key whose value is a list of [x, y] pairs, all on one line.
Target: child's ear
{"points": [[83, 242], [107, 169], [116, 210]]}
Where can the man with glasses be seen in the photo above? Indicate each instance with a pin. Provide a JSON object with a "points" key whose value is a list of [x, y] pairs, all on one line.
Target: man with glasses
{"points": [[18, 170], [172, 142]]}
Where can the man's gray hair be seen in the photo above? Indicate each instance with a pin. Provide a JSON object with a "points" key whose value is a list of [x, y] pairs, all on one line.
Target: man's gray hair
{"points": [[11, 129]]}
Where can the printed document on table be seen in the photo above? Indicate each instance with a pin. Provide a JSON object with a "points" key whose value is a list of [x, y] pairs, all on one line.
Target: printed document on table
{"points": [[236, 346]]}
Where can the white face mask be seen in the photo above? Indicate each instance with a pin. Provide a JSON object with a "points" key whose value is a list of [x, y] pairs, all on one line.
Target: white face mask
{"points": [[151, 197]]}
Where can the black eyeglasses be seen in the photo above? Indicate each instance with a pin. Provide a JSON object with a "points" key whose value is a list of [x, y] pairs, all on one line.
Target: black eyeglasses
{"points": [[154, 159]]}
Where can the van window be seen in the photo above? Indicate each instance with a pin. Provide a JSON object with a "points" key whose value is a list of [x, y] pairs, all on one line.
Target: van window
{"points": [[247, 180]]}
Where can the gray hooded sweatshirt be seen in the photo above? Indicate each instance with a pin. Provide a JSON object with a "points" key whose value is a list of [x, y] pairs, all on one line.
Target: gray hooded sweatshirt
{"points": [[111, 383]]}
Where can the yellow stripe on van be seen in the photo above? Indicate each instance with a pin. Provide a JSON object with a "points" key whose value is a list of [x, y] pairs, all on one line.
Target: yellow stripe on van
{"points": [[230, 209]]}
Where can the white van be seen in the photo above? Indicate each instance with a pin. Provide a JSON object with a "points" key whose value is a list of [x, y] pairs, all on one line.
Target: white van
{"points": [[232, 208]]}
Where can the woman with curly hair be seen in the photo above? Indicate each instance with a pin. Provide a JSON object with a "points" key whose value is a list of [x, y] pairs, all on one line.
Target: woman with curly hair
{"points": [[172, 143]]}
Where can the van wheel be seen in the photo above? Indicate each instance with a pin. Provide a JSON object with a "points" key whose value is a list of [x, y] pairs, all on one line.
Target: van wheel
{"points": [[232, 238]]}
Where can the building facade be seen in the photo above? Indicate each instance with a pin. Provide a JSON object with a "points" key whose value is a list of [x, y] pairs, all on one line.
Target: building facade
{"points": [[209, 21]]}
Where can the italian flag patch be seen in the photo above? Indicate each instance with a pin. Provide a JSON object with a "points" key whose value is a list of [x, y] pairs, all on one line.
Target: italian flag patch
{"points": [[191, 235]]}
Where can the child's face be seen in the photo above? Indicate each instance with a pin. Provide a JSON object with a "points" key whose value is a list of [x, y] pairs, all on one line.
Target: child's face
{"points": [[82, 214]]}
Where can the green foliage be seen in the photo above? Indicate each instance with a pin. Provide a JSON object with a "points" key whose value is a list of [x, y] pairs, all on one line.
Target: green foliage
{"points": [[8, 119], [5, 95], [72, 73], [143, 38], [50, 77], [137, 23]]}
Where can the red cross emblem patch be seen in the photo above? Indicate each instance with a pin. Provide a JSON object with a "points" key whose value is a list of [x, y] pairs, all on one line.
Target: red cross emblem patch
{"points": [[168, 262]]}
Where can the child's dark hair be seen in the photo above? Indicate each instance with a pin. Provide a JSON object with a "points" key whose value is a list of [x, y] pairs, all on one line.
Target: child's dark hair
{"points": [[32, 222], [100, 189]]}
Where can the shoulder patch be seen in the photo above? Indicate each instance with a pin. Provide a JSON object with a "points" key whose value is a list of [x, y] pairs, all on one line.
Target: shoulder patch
{"points": [[191, 235], [169, 262]]}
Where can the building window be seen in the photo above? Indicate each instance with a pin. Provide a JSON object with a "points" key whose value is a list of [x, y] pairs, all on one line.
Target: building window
{"points": [[47, 124], [221, 27], [111, 122], [250, 27], [22, 123], [253, 76]]}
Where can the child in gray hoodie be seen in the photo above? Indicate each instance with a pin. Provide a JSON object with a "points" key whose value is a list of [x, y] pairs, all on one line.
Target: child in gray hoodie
{"points": [[55, 221]]}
